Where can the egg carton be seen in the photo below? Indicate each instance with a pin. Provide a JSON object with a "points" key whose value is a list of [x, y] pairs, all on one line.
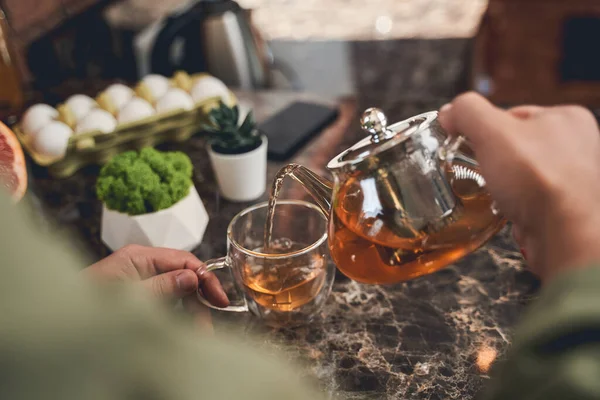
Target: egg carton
{"points": [[97, 147]]}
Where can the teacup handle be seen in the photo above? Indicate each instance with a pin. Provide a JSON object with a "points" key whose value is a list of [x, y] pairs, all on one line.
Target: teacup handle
{"points": [[213, 265], [447, 152]]}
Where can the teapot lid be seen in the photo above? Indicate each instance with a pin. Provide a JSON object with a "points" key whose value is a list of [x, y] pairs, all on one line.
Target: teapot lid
{"points": [[381, 136]]}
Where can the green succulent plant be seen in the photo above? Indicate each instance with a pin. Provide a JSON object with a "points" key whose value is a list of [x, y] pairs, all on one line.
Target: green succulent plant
{"points": [[139, 183], [227, 136]]}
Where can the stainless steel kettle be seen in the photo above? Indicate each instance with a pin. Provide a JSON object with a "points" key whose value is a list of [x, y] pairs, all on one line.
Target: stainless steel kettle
{"points": [[214, 36]]}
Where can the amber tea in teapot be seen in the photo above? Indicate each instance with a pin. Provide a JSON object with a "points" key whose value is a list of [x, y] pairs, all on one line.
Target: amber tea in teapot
{"points": [[405, 202], [383, 257]]}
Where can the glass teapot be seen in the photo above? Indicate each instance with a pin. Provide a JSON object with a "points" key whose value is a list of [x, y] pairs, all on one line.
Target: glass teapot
{"points": [[406, 201]]}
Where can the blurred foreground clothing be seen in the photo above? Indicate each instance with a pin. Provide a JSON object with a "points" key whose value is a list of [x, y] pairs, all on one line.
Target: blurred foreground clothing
{"points": [[556, 350], [62, 337]]}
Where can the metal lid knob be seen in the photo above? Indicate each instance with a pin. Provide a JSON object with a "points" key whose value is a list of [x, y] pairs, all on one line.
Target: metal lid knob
{"points": [[374, 122]]}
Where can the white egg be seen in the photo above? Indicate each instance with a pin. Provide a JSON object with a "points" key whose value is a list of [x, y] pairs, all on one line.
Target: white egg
{"points": [[207, 87], [80, 105], [52, 140], [135, 110], [119, 95], [36, 117], [158, 85], [97, 119], [174, 99]]}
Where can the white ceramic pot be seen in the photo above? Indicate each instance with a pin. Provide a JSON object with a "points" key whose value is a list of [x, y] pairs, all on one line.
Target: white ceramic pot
{"points": [[180, 226], [241, 177]]}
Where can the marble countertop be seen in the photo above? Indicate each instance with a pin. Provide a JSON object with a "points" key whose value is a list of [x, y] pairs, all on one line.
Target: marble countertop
{"points": [[431, 338]]}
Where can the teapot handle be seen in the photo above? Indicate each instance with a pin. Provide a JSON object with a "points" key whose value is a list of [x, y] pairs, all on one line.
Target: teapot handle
{"points": [[447, 152]]}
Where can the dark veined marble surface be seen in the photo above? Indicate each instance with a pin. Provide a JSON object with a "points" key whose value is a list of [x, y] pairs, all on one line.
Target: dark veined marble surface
{"points": [[431, 338]]}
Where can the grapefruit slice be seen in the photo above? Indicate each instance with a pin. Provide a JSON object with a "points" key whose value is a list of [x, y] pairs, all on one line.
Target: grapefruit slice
{"points": [[13, 172]]}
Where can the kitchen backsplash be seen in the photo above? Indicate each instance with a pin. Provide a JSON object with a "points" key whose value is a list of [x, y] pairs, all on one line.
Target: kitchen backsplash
{"points": [[30, 19]]}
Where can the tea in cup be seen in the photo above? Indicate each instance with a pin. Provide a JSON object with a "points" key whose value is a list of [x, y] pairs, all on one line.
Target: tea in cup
{"points": [[289, 281]]}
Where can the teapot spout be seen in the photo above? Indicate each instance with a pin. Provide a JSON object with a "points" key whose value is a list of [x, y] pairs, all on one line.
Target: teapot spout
{"points": [[320, 189]]}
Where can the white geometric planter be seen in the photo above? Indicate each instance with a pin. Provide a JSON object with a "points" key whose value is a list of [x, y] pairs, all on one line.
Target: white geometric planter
{"points": [[179, 227], [241, 177]]}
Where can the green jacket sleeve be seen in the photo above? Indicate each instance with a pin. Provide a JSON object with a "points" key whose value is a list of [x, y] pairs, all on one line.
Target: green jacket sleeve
{"points": [[556, 352], [62, 337]]}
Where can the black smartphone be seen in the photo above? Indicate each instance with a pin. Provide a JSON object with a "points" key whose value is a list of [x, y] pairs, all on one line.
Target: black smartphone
{"points": [[292, 127]]}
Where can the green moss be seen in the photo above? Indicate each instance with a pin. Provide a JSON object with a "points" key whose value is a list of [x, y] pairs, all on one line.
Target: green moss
{"points": [[139, 183]]}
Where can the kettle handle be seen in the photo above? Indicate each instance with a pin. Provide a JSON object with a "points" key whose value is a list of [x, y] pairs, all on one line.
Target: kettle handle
{"points": [[177, 27]]}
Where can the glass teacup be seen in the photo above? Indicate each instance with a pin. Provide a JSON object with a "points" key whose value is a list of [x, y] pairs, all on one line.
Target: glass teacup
{"points": [[288, 283]]}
